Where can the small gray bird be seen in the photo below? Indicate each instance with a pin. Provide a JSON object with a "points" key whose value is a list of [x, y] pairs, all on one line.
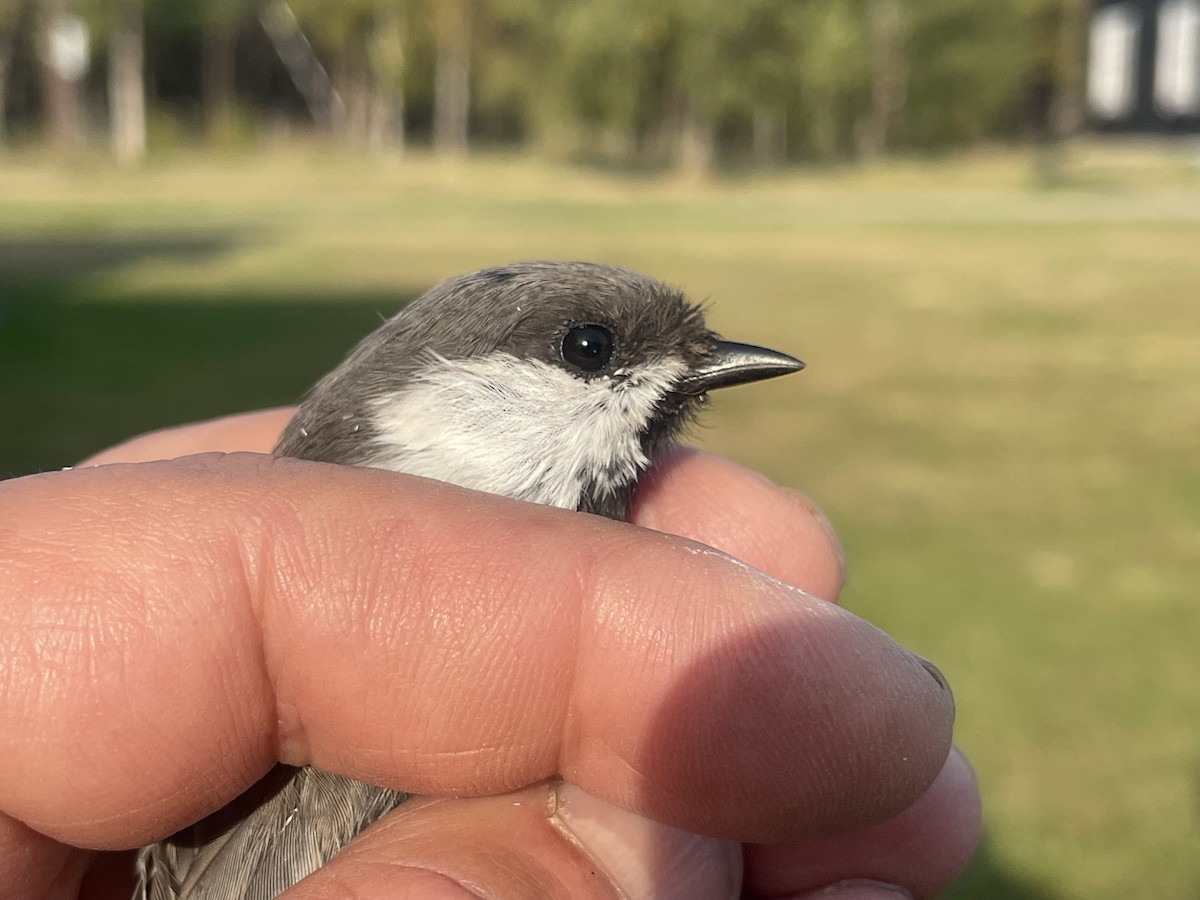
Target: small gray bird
{"points": [[554, 383]]}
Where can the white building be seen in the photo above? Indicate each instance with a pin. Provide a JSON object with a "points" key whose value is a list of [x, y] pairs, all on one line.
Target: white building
{"points": [[1144, 66]]}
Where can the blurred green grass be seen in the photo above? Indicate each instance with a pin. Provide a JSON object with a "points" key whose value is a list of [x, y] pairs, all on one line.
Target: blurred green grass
{"points": [[1001, 415]]}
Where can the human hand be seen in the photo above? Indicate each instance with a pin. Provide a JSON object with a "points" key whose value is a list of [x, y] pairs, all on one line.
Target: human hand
{"points": [[168, 631]]}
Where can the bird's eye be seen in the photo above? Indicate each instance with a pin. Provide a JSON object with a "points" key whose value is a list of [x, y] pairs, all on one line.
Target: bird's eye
{"points": [[587, 347]]}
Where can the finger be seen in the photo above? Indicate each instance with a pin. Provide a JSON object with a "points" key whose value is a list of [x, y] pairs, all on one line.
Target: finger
{"points": [[689, 493], [855, 889], [921, 850], [256, 432], [543, 842], [717, 502], [169, 630], [33, 867]]}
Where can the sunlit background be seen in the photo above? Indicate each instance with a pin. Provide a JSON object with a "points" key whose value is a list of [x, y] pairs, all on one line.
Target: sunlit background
{"points": [[977, 220]]}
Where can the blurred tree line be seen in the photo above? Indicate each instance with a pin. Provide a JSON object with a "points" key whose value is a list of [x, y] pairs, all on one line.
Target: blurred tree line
{"points": [[688, 83]]}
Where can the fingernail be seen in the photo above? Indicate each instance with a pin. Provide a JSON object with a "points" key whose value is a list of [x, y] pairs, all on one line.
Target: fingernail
{"points": [[642, 858], [936, 674], [861, 889]]}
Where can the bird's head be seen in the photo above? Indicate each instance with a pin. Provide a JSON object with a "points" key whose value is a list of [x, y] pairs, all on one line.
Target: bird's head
{"points": [[549, 382]]}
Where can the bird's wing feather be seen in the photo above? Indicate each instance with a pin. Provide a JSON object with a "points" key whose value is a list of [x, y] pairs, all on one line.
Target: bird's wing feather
{"points": [[286, 827]]}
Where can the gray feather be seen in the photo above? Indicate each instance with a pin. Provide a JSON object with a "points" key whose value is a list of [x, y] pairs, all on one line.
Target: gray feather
{"points": [[284, 828]]}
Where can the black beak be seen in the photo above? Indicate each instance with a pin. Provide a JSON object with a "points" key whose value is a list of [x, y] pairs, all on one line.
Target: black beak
{"points": [[732, 364]]}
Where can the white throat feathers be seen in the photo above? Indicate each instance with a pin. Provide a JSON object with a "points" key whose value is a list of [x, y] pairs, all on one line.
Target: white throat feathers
{"points": [[521, 427]]}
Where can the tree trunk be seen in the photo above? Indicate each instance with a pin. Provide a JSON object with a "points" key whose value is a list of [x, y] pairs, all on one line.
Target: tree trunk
{"points": [[352, 82], [1066, 110], [770, 136], [452, 78], [385, 132], [306, 71], [6, 49], [697, 143], [339, 78], [59, 75], [1061, 100], [385, 56], [357, 95], [126, 86], [887, 77], [219, 79]]}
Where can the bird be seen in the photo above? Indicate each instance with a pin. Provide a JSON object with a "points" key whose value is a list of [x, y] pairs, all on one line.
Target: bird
{"points": [[555, 383]]}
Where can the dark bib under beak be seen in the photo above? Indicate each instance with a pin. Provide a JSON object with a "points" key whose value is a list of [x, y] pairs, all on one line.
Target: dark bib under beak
{"points": [[732, 363]]}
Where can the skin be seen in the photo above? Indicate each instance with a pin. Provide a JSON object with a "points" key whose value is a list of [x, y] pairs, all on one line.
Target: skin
{"points": [[169, 630]]}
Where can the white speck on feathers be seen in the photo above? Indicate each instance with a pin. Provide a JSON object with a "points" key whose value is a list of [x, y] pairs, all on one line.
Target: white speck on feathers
{"points": [[522, 428]]}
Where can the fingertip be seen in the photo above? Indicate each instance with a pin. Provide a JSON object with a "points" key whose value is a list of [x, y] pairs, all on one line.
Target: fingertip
{"points": [[253, 431], [34, 865], [923, 849], [715, 501], [856, 889]]}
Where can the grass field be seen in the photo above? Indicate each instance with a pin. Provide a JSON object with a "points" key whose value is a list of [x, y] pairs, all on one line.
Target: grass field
{"points": [[1001, 415]]}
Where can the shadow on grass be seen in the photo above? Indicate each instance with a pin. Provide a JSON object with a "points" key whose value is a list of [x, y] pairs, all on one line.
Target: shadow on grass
{"points": [[61, 257], [80, 372]]}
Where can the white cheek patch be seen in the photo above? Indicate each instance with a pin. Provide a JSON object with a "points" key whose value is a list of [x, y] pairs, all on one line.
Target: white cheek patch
{"points": [[521, 428]]}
